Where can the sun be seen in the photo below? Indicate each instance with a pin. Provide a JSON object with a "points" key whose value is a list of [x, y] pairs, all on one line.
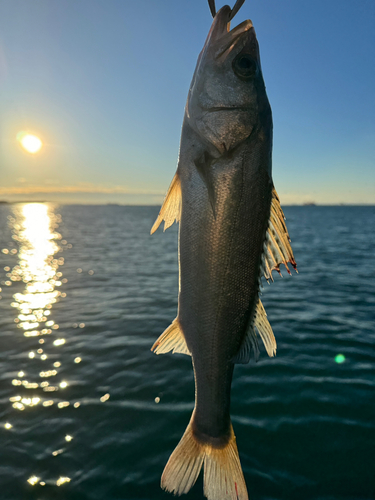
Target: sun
{"points": [[30, 143]]}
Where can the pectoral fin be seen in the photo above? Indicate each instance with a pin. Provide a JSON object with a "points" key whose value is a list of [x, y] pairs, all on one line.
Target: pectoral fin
{"points": [[277, 248], [259, 323], [171, 208], [172, 339], [203, 164]]}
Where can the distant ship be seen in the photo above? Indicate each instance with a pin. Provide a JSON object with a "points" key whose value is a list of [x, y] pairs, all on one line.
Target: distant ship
{"points": [[309, 204]]}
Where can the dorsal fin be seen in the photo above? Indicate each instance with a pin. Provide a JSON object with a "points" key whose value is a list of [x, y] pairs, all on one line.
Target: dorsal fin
{"points": [[171, 208], [277, 248], [264, 329], [259, 323]]}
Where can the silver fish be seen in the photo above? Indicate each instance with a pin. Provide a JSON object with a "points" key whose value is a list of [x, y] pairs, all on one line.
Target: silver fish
{"points": [[232, 231]]}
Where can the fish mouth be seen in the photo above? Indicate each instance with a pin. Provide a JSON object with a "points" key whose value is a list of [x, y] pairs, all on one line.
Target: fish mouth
{"points": [[231, 38], [214, 109], [221, 36]]}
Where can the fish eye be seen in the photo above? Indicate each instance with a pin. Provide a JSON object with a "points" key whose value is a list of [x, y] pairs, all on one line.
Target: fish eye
{"points": [[245, 67]]}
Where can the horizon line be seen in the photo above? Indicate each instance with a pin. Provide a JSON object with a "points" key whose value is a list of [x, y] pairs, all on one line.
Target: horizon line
{"points": [[308, 204]]}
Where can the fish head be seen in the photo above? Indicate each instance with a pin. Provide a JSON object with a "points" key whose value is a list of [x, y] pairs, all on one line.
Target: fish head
{"points": [[227, 98]]}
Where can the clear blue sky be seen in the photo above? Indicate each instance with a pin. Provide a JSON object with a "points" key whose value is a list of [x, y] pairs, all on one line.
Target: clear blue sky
{"points": [[104, 84]]}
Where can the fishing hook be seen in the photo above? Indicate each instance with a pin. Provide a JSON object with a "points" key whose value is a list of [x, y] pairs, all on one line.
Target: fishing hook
{"points": [[236, 8]]}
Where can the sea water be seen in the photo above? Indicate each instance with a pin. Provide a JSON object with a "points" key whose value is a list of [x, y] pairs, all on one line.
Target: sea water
{"points": [[87, 412]]}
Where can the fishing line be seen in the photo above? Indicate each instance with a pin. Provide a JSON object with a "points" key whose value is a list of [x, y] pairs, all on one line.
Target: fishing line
{"points": [[236, 8]]}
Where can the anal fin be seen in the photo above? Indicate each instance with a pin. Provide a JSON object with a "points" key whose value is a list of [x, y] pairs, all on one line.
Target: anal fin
{"points": [[172, 339], [171, 208], [259, 323]]}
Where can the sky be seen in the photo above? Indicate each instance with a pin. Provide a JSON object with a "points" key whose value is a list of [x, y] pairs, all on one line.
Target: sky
{"points": [[104, 85]]}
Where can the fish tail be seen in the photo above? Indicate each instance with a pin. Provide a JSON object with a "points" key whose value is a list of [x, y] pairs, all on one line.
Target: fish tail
{"points": [[223, 477]]}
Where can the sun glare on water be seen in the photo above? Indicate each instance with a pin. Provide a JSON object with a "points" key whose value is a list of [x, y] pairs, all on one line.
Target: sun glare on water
{"points": [[30, 143]]}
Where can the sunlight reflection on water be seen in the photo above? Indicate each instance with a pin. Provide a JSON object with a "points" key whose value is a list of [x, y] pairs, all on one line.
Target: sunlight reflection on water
{"points": [[34, 227]]}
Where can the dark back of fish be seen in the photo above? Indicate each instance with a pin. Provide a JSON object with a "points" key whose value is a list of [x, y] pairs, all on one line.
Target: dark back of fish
{"points": [[219, 268]]}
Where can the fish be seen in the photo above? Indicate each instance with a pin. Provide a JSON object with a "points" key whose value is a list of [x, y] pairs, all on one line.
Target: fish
{"points": [[232, 232]]}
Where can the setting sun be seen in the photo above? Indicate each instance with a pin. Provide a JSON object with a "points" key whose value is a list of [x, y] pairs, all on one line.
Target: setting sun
{"points": [[31, 143]]}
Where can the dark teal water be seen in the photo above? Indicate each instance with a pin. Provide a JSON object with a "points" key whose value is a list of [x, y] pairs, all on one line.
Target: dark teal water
{"points": [[305, 424]]}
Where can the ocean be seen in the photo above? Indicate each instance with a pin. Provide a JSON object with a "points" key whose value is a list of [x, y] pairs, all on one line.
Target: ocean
{"points": [[87, 412]]}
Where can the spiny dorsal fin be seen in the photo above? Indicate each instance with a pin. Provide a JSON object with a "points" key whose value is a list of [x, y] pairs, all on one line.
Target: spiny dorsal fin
{"points": [[277, 248], [259, 323], [172, 339], [203, 164], [171, 208]]}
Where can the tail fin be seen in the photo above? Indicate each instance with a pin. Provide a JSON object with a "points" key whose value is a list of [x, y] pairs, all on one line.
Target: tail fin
{"points": [[223, 477]]}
